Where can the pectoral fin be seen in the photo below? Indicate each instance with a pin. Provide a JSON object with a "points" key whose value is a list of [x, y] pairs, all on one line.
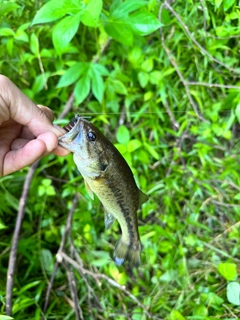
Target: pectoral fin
{"points": [[89, 190], [108, 219], [142, 198]]}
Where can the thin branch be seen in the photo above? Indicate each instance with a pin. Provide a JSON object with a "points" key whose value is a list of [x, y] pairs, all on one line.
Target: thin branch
{"points": [[13, 252], [62, 244], [97, 276], [202, 49], [73, 291], [204, 15], [173, 62], [211, 85]]}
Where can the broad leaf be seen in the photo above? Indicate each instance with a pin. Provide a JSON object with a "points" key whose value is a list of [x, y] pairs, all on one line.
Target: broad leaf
{"points": [[127, 7], [91, 13], [64, 31], [72, 74], [97, 84], [144, 23], [51, 11], [233, 293], [82, 88]]}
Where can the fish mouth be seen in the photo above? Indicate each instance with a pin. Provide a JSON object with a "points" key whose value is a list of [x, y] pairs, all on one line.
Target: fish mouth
{"points": [[74, 128]]}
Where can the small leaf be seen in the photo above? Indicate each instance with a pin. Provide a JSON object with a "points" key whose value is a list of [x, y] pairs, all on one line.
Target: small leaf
{"points": [[7, 7], [72, 74], [176, 315], [143, 78], [118, 86], [134, 145], [144, 23], [64, 31], [227, 4], [6, 32], [237, 196], [127, 7], [34, 44], [233, 293], [51, 11], [228, 270], [91, 13], [123, 135], [40, 82], [82, 89], [97, 85]]}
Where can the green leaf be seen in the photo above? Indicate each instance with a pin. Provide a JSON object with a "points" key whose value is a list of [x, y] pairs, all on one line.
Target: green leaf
{"points": [[7, 7], [64, 31], [152, 151], [134, 145], [6, 32], [52, 10], [143, 78], [97, 84], [176, 315], [233, 293], [126, 7], [228, 270], [118, 86], [91, 13], [72, 74], [118, 29], [123, 135], [34, 44], [144, 23], [237, 196], [40, 82], [47, 260], [237, 112], [82, 88], [227, 4], [218, 3], [2, 317]]}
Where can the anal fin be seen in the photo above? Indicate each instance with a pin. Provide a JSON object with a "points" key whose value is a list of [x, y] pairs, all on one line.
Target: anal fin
{"points": [[109, 219]]}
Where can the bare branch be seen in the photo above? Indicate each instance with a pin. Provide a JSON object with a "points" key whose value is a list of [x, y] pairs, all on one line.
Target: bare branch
{"points": [[97, 276], [13, 252]]}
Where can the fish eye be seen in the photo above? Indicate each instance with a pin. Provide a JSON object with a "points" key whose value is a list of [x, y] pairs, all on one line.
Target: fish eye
{"points": [[91, 136]]}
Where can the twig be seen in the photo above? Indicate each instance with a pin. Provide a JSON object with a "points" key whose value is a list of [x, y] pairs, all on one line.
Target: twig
{"points": [[173, 62], [175, 124], [202, 49], [97, 276], [63, 241], [204, 16], [13, 252], [73, 291], [67, 107], [211, 85]]}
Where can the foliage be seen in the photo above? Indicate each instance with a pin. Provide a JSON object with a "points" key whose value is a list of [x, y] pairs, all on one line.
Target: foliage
{"points": [[161, 81]]}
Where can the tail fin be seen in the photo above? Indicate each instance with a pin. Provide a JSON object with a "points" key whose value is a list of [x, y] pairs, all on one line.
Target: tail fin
{"points": [[127, 252]]}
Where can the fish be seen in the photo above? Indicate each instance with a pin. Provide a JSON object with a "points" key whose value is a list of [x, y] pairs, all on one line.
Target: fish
{"points": [[107, 174]]}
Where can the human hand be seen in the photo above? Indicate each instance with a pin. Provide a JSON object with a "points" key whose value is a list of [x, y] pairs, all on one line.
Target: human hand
{"points": [[26, 131]]}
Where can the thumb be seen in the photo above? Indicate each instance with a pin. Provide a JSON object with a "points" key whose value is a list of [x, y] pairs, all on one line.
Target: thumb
{"points": [[14, 104]]}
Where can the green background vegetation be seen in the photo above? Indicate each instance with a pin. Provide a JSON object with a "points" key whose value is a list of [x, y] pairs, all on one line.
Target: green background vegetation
{"points": [[160, 79]]}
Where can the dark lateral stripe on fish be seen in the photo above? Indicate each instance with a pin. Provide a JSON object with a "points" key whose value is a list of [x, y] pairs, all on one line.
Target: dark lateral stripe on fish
{"points": [[117, 193]]}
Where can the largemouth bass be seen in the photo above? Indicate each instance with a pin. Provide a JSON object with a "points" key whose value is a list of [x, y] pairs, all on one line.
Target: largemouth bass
{"points": [[107, 174]]}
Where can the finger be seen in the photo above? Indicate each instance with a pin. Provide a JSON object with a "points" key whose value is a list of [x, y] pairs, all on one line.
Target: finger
{"points": [[18, 159], [48, 112], [14, 104], [19, 143]]}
